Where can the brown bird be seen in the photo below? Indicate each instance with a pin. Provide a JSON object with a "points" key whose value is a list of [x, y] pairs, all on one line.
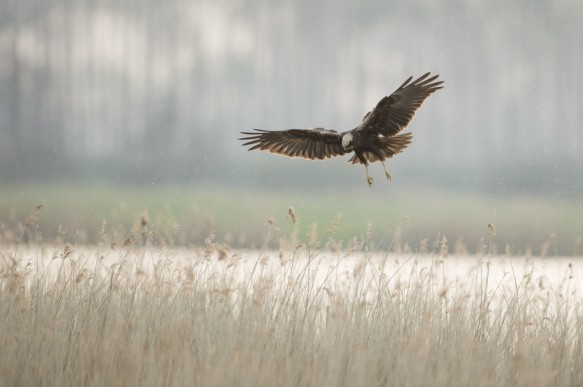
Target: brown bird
{"points": [[377, 138]]}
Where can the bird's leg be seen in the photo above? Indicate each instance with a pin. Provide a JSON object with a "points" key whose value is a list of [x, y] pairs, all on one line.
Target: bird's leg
{"points": [[387, 174], [369, 179]]}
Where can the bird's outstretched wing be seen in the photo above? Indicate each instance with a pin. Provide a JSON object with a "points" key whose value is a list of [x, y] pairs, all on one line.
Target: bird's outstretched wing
{"points": [[310, 144], [394, 112]]}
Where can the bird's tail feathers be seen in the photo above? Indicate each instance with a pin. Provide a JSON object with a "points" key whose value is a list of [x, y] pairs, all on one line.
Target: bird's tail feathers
{"points": [[390, 146]]}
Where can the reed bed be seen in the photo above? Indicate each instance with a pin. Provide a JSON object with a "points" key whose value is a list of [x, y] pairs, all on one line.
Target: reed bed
{"points": [[144, 315]]}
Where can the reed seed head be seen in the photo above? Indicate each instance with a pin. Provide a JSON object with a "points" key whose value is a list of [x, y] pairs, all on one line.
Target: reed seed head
{"points": [[492, 230], [291, 213]]}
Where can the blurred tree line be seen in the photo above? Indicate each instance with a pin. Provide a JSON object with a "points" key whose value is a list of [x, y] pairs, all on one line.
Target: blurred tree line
{"points": [[150, 91]]}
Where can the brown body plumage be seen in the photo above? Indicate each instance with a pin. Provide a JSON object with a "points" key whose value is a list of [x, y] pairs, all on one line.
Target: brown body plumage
{"points": [[377, 138]]}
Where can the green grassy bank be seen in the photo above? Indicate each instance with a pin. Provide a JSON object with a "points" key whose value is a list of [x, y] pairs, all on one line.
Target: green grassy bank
{"points": [[413, 219]]}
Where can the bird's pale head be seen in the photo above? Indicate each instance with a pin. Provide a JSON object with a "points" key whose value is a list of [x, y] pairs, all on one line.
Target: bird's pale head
{"points": [[347, 143]]}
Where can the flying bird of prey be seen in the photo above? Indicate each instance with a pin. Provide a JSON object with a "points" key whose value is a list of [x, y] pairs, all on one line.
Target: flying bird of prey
{"points": [[377, 138]]}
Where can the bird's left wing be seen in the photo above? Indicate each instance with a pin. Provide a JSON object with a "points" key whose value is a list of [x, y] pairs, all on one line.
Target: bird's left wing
{"points": [[394, 112], [309, 144]]}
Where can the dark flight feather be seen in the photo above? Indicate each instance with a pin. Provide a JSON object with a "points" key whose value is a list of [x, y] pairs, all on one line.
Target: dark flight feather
{"points": [[394, 112], [309, 144]]}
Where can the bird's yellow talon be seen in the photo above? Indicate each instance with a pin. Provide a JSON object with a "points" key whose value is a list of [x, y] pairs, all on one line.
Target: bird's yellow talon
{"points": [[370, 180]]}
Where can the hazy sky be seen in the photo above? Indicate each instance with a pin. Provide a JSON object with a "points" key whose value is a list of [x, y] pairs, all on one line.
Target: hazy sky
{"points": [[181, 78]]}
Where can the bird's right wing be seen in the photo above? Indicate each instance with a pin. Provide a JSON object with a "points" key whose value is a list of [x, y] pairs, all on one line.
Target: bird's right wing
{"points": [[309, 144], [394, 112]]}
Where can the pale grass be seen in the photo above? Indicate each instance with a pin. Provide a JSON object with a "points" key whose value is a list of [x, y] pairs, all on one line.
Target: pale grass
{"points": [[152, 316]]}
